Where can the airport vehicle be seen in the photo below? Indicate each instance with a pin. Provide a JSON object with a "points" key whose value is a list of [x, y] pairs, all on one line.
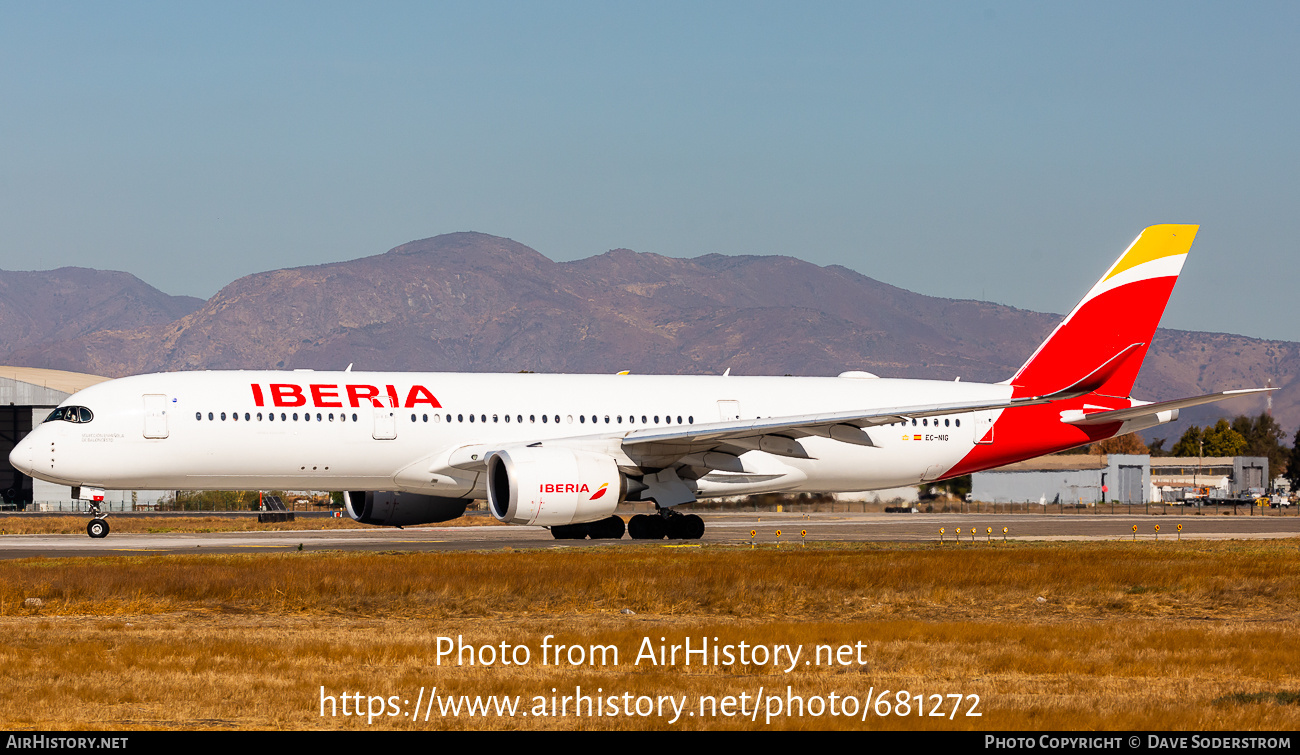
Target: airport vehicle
{"points": [[561, 451]]}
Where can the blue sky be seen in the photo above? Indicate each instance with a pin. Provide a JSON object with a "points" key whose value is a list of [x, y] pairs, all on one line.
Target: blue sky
{"points": [[1004, 151]]}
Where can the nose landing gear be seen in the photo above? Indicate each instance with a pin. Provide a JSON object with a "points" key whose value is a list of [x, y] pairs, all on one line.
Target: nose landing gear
{"points": [[97, 527]]}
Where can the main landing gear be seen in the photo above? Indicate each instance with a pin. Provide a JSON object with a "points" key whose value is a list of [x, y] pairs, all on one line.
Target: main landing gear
{"points": [[97, 527], [610, 528], [666, 523]]}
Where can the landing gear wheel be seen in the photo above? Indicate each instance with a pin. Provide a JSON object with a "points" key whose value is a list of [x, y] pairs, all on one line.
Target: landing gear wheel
{"points": [[692, 527], [569, 531], [647, 527], [611, 528], [97, 528]]}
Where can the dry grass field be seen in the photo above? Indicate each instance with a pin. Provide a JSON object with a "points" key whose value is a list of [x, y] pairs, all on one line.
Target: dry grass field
{"points": [[1101, 636]]}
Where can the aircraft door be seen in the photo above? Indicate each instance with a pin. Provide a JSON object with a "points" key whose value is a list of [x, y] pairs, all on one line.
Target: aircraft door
{"points": [[385, 421], [155, 415], [984, 426], [728, 410]]}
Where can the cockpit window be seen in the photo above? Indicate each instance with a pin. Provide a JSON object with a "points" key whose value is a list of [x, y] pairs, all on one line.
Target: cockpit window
{"points": [[78, 414]]}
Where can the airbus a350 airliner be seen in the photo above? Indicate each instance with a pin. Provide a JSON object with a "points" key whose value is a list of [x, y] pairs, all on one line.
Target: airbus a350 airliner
{"points": [[561, 451]]}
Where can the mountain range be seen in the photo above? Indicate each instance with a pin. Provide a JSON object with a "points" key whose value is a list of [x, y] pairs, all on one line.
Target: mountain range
{"points": [[474, 302]]}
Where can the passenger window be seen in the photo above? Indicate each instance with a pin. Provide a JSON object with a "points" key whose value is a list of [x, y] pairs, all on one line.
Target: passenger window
{"points": [[209, 416], [198, 416], [223, 416], [543, 418]]}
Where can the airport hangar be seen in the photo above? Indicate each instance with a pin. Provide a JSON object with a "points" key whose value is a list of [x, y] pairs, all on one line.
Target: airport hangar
{"points": [[27, 396], [1089, 479]]}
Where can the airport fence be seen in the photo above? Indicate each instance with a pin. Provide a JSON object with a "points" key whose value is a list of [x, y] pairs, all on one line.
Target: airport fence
{"points": [[829, 505]]}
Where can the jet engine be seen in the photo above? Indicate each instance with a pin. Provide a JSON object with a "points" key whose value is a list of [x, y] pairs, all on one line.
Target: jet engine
{"points": [[553, 486], [400, 509]]}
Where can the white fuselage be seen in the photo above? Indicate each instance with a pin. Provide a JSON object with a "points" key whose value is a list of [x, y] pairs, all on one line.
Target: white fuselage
{"points": [[323, 430]]}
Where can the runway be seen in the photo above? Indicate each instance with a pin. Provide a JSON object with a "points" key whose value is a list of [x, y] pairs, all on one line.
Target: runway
{"points": [[722, 528]]}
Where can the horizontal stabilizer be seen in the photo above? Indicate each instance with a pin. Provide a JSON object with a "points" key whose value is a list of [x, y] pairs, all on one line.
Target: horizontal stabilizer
{"points": [[1147, 410]]}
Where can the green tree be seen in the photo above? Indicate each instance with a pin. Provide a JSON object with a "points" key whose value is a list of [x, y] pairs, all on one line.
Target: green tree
{"points": [[1189, 444], [1220, 440], [1263, 436], [1293, 463]]}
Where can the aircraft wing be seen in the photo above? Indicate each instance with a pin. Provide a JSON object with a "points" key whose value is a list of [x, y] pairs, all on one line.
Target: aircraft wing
{"points": [[848, 427], [667, 446]]}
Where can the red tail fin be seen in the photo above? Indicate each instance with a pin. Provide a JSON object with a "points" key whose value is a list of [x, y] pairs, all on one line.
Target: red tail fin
{"points": [[1103, 341]]}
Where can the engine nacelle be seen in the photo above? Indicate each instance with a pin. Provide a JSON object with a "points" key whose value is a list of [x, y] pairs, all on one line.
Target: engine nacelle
{"points": [[553, 486], [401, 509]]}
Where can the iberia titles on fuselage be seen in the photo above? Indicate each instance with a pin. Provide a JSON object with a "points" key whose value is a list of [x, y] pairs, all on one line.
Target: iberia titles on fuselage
{"points": [[325, 396]]}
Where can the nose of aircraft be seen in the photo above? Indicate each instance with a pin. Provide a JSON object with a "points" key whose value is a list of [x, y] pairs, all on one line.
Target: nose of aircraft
{"points": [[23, 457]]}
